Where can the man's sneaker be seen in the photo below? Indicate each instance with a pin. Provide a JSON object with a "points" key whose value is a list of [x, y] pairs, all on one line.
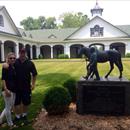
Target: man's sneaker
{"points": [[12, 127], [25, 120], [16, 120]]}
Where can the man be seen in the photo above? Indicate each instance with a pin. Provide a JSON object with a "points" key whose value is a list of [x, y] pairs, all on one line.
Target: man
{"points": [[92, 67], [26, 76]]}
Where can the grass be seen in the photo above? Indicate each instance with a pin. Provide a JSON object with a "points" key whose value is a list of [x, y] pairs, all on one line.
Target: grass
{"points": [[56, 72]]}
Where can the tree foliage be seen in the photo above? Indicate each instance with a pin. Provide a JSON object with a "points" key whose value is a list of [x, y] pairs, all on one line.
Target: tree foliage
{"points": [[50, 23], [68, 20], [41, 23], [72, 20]]}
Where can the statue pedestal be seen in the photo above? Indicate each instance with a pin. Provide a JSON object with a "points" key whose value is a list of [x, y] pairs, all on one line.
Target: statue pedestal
{"points": [[107, 96]]}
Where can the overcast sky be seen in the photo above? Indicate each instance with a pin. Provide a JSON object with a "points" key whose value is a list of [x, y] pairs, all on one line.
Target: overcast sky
{"points": [[116, 12]]}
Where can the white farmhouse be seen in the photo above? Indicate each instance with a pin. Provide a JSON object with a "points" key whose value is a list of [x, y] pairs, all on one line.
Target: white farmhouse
{"points": [[51, 42]]}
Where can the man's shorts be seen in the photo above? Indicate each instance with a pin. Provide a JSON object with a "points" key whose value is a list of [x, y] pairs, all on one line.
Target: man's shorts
{"points": [[23, 96]]}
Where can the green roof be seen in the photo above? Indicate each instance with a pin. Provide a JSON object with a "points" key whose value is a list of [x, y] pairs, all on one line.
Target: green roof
{"points": [[57, 35], [48, 35], [125, 28]]}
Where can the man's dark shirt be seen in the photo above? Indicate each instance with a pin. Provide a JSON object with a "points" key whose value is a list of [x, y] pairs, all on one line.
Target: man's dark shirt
{"points": [[24, 70], [9, 75]]}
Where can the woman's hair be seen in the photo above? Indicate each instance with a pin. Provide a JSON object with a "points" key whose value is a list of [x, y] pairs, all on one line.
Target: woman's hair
{"points": [[8, 56]]}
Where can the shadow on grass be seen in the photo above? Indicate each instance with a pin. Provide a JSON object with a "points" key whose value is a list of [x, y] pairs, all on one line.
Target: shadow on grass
{"points": [[52, 79]]}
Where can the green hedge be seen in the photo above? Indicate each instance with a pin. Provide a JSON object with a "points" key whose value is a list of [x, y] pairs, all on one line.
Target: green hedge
{"points": [[71, 86], [63, 56], [56, 100], [127, 55], [40, 56]]}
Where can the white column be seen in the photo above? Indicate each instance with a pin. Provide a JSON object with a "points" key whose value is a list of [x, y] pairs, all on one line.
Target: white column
{"points": [[86, 46], [31, 53], [37, 51], [107, 47], [51, 52], [2, 52], [17, 50], [127, 48], [67, 50]]}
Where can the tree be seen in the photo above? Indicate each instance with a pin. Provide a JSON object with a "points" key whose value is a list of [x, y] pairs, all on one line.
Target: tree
{"points": [[50, 23], [28, 23], [40, 23], [72, 20], [68, 20]]}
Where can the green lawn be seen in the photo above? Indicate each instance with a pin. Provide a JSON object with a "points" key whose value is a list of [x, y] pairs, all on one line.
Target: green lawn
{"points": [[55, 72]]}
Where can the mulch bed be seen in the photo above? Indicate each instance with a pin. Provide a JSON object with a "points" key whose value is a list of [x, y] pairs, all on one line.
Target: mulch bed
{"points": [[74, 121]]}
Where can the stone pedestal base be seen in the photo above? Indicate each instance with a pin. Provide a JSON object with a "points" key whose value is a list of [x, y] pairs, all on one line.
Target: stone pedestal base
{"points": [[107, 96]]}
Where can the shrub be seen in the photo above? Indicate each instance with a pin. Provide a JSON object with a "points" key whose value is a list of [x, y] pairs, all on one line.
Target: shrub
{"points": [[127, 55], [71, 86], [40, 56], [56, 100], [63, 56]]}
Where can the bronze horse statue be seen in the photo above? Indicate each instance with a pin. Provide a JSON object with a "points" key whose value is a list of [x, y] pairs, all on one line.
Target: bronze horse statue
{"points": [[113, 56]]}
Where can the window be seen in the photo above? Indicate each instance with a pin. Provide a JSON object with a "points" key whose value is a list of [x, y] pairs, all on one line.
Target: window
{"points": [[97, 31], [24, 34], [30, 36], [52, 36], [1, 21]]}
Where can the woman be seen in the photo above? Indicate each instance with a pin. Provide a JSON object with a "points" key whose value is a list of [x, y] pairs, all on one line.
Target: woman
{"points": [[8, 90]]}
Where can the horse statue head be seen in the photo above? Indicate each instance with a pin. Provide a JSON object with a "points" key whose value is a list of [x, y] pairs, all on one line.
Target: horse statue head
{"points": [[84, 51]]}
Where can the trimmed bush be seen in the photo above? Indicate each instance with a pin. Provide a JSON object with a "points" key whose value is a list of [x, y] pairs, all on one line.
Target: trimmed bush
{"points": [[63, 56], [40, 56], [71, 86], [56, 100], [127, 55]]}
